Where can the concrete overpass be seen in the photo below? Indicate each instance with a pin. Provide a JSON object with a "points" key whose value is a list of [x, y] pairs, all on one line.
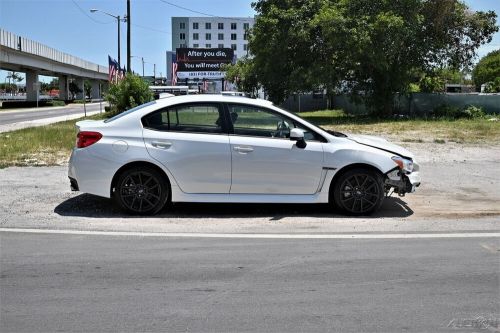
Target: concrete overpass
{"points": [[24, 55]]}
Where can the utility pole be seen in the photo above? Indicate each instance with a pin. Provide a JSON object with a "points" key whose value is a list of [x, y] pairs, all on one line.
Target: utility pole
{"points": [[142, 58], [118, 21], [129, 67]]}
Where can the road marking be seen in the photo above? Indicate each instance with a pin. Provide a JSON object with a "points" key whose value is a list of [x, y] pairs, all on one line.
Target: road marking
{"points": [[258, 236]]}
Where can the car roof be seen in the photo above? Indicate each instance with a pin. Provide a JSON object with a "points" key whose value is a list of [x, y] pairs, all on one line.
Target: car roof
{"points": [[212, 98]]}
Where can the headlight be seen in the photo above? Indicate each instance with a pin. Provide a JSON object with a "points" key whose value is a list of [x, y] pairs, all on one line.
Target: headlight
{"points": [[403, 163]]}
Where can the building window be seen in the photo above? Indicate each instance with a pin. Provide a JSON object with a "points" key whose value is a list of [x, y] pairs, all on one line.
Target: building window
{"points": [[196, 46], [195, 25], [246, 26], [182, 46], [233, 46], [182, 25], [208, 36], [220, 46], [182, 35], [208, 46], [196, 36], [221, 36], [245, 36], [233, 26], [208, 25], [233, 36], [220, 26], [245, 47]]}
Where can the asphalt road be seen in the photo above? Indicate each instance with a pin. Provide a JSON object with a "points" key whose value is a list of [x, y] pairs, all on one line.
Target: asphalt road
{"points": [[89, 283], [12, 117]]}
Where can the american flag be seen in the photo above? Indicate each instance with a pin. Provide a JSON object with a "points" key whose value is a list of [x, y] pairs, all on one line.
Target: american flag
{"points": [[174, 73], [112, 69], [115, 73]]}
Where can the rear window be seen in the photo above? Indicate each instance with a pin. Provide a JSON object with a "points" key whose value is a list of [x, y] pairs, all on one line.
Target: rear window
{"points": [[129, 111]]}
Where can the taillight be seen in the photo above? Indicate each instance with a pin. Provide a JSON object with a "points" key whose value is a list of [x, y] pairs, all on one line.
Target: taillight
{"points": [[85, 138]]}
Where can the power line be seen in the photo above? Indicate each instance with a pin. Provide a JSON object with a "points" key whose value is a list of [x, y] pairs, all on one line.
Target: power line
{"points": [[152, 29], [90, 17], [189, 10], [100, 22], [198, 12]]}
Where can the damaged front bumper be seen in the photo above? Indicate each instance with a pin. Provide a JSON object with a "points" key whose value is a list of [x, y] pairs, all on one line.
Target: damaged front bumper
{"points": [[402, 182]]}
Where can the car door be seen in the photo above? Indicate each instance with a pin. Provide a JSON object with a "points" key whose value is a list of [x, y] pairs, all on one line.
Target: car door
{"points": [[191, 141], [264, 159]]}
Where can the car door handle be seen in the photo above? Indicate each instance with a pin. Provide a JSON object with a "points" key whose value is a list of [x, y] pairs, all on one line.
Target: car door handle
{"points": [[243, 149], [161, 144]]}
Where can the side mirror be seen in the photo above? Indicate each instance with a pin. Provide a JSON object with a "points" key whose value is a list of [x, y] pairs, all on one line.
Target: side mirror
{"points": [[296, 134]]}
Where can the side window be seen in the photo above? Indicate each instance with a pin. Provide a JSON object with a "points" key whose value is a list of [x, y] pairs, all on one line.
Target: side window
{"points": [[254, 121], [191, 118]]}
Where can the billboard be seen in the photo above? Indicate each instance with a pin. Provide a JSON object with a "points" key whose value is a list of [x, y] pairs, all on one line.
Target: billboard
{"points": [[196, 63]]}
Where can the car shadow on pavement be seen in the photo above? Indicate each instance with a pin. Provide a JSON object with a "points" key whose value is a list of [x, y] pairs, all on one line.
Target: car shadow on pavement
{"points": [[87, 205]]}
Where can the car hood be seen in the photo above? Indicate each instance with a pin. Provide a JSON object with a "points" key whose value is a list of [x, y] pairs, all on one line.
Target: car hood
{"points": [[380, 143]]}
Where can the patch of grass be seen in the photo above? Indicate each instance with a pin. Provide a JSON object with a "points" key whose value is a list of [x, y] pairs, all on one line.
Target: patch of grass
{"points": [[477, 130], [439, 141], [412, 140], [57, 103], [37, 146]]}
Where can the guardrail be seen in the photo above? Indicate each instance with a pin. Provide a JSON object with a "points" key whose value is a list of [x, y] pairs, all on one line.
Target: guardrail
{"points": [[13, 41]]}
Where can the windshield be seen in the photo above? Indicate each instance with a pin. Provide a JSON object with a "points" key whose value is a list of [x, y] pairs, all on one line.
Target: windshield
{"points": [[129, 111]]}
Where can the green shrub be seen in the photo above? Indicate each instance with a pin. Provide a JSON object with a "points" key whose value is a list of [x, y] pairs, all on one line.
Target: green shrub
{"points": [[452, 112], [493, 86], [129, 93], [473, 112]]}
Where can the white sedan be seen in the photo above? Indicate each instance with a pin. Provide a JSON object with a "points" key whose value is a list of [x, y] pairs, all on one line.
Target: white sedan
{"points": [[214, 148]]}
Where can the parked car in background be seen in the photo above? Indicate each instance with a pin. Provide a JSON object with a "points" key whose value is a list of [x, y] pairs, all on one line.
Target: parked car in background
{"points": [[215, 148]]}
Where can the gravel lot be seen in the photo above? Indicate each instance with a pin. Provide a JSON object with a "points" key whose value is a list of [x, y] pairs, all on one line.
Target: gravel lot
{"points": [[460, 191]]}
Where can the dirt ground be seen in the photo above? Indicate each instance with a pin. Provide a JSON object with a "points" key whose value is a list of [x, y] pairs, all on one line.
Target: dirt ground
{"points": [[460, 191]]}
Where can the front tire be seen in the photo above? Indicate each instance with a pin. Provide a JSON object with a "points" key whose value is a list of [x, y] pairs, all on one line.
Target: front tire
{"points": [[141, 190], [359, 191]]}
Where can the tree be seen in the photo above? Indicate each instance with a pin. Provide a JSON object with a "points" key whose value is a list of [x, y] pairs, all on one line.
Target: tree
{"points": [[487, 69], [243, 75], [283, 49], [87, 86], [368, 48], [436, 79], [129, 92], [493, 86], [16, 78], [74, 89]]}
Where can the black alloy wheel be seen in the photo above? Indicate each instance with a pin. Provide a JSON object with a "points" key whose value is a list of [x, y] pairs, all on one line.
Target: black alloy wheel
{"points": [[359, 191], [141, 191]]}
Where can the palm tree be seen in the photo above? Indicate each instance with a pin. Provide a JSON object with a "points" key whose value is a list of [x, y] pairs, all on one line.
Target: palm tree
{"points": [[16, 78]]}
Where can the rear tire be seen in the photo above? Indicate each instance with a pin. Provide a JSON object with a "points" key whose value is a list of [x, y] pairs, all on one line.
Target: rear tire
{"points": [[359, 191], [141, 190]]}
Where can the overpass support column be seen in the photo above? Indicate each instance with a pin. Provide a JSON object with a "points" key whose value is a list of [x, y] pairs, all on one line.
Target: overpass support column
{"points": [[95, 89], [63, 88], [32, 85], [80, 83]]}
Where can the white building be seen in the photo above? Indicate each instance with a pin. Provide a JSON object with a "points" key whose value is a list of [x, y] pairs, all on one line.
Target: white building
{"points": [[210, 32]]}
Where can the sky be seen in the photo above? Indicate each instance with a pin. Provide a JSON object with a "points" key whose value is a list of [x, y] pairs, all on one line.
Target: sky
{"points": [[69, 26]]}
